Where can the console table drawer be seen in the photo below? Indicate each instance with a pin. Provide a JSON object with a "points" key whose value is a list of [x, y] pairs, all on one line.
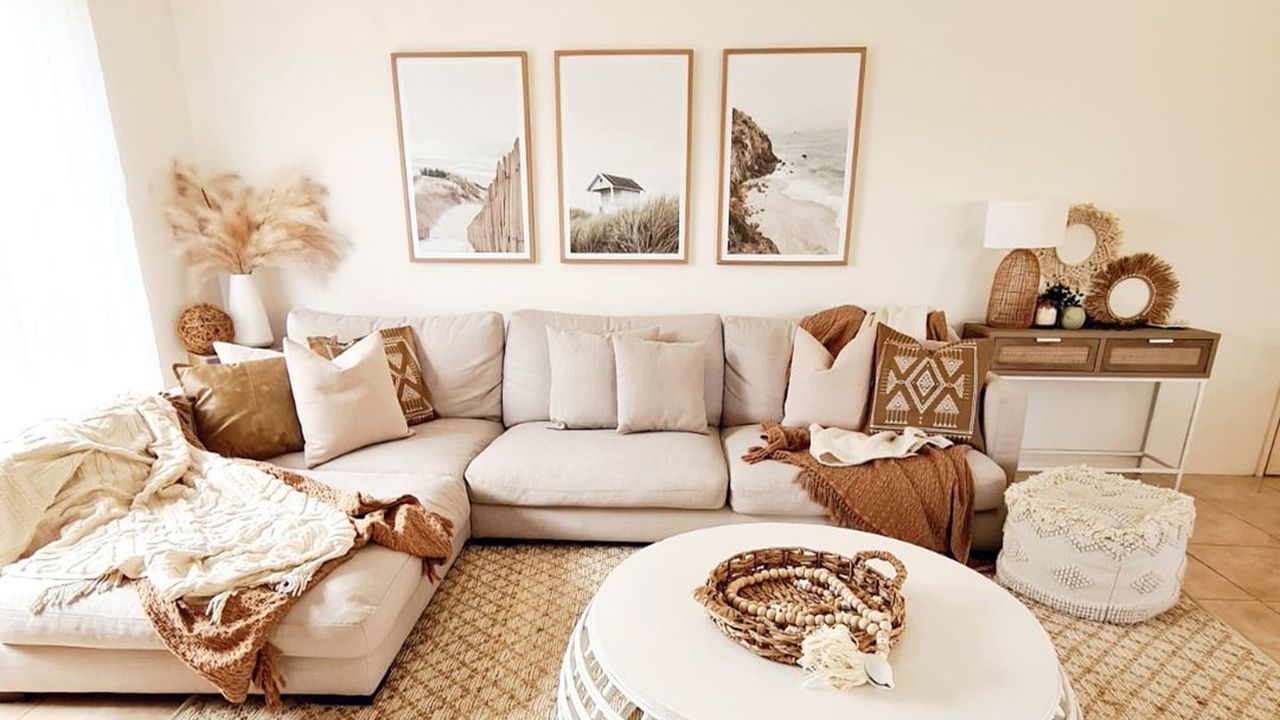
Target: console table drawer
{"points": [[1052, 354], [1157, 356]]}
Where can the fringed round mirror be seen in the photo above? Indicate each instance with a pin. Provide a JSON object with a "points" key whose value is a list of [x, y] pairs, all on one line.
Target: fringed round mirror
{"points": [[1134, 290], [1092, 240]]}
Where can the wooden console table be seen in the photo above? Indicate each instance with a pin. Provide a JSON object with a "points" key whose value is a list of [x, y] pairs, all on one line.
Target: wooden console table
{"points": [[1144, 355]]}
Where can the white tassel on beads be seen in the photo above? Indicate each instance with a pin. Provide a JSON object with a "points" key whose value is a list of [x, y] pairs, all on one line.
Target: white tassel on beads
{"points": [[833, 659]]}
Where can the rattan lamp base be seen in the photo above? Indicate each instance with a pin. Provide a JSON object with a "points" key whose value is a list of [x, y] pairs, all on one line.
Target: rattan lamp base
{"points": [[1012, 303]]}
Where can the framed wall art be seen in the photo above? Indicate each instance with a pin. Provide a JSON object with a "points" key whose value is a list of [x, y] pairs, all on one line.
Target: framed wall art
{"points": [[465, 161], [624, 130], [789, 122]]}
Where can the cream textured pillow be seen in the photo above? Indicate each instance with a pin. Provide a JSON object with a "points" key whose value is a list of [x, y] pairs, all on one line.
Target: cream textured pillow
{"points": [[660, 385], [345, 403], [584, 387], [831, 392]]}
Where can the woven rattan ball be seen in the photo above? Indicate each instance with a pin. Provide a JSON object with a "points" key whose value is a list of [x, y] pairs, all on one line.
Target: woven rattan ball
{"points": [[200, 325]]}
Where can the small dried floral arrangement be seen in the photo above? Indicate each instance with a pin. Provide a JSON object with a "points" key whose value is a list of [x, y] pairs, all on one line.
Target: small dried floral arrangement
{"points": [[1061, 296]]}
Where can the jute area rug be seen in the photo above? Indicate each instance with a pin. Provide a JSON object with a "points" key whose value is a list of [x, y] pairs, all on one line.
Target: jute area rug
{"points": [[490, 645]]}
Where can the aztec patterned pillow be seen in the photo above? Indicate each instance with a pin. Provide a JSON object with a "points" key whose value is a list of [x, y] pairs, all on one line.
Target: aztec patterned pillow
{"points": [[932, 386], [402, 358]]}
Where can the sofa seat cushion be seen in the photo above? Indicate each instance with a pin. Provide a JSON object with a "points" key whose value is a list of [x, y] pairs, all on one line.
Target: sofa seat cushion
{"points": [[533, 465], [345, 615], [769, 487], [441, 447]]}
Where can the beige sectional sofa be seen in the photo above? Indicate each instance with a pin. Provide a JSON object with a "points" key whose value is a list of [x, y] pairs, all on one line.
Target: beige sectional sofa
{"points": [[538, 482], [489, 463]]}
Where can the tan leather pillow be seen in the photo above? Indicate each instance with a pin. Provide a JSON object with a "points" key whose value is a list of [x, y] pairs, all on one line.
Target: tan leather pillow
{"points": [[932, 386], [243, 409], [402, 359], [660, 385]]}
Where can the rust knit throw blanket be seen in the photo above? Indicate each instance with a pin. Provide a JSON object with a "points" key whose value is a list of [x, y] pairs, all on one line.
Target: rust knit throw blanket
{"points": [[926, 499], [233, 651]]}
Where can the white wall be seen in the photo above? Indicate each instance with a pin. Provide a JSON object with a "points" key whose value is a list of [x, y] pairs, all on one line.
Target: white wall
{"points": [[1162, 112], [138, 49]]}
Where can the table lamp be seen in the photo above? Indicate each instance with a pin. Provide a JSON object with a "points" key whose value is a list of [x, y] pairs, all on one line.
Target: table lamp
{"points": [[1019, 225]]}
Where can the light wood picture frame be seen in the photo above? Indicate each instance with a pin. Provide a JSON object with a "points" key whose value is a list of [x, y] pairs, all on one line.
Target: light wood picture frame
{"points": [[624, 135], [466, 161], [790, 127]]}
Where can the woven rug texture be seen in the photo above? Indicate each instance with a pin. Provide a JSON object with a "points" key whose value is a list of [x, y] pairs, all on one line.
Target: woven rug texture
{"points": [[491, 642]]}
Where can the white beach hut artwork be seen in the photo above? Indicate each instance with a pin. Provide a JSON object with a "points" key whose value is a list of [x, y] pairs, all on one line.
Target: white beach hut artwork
{"points": [[614, 191], [623, 128]]}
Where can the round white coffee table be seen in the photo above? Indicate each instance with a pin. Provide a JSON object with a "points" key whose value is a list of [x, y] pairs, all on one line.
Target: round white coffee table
{"points": [[645, 648]]}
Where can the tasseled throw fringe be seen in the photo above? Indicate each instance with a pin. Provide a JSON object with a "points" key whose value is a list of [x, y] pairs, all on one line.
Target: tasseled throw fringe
{"points": [[267, 676], [429, 569], [58, 596], [217, 604]]}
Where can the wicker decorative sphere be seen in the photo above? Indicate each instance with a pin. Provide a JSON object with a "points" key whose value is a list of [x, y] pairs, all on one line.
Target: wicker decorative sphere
{"points": [[200, 325]]}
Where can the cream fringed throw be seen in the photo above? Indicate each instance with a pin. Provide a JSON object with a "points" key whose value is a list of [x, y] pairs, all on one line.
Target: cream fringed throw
{"points": [[926, 499], [232, 650], [123, 495]]}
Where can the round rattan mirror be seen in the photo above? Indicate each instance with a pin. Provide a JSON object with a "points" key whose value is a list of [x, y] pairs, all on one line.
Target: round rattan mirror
{"points": [[1130, 297], [1133, 290], [1091, 241]]}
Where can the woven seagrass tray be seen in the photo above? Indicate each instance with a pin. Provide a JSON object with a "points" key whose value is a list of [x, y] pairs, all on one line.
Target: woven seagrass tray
{"points": [[767, 600]]}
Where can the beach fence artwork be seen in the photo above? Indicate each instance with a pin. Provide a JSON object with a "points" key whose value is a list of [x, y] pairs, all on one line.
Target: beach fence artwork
{"points": [[789, 145], [463, 122], [623, 130]]}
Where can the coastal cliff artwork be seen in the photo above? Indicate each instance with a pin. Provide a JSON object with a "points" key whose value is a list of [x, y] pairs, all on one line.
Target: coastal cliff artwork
{"points": [[789, 144], [463, 120], [624, 127]]}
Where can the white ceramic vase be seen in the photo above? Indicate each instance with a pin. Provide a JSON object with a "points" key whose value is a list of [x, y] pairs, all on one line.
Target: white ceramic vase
{"points": [[244, 305], [1046, 316]]}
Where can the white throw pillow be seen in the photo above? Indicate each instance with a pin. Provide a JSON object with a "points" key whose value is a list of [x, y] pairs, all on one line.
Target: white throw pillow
{"points": [[231, 353], [345, 403], [584, 387], [660, 385], [831, 392]]}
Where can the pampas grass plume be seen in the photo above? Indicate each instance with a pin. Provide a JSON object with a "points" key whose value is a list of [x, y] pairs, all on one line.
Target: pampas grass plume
{"points": [[223, 225]]}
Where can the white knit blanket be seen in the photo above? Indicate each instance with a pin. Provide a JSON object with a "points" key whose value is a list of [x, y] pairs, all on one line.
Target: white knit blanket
{"points": [[838, 447], [87, 503]]}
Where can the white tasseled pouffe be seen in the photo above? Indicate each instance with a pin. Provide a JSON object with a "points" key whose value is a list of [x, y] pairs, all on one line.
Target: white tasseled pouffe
{"points": [[1096, 545]]}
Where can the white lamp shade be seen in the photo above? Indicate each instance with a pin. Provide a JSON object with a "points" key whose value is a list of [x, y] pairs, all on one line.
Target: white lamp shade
{"points": [[1026, 224]]}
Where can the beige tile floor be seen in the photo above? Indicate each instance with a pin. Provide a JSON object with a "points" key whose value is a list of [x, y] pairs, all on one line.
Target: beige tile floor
{"points": [[1233, 571], [1233, 563]]}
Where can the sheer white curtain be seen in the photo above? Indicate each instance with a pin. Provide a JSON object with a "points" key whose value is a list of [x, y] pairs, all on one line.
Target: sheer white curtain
{"points": [[75, 328]]}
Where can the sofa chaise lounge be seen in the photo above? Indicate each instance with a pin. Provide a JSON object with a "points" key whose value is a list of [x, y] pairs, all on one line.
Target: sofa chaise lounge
{"points": [[490, 463]]}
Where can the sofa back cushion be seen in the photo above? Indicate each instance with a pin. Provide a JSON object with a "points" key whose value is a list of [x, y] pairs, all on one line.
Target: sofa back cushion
{"points": [[461, 355], [757, 351], [526, 378]]}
